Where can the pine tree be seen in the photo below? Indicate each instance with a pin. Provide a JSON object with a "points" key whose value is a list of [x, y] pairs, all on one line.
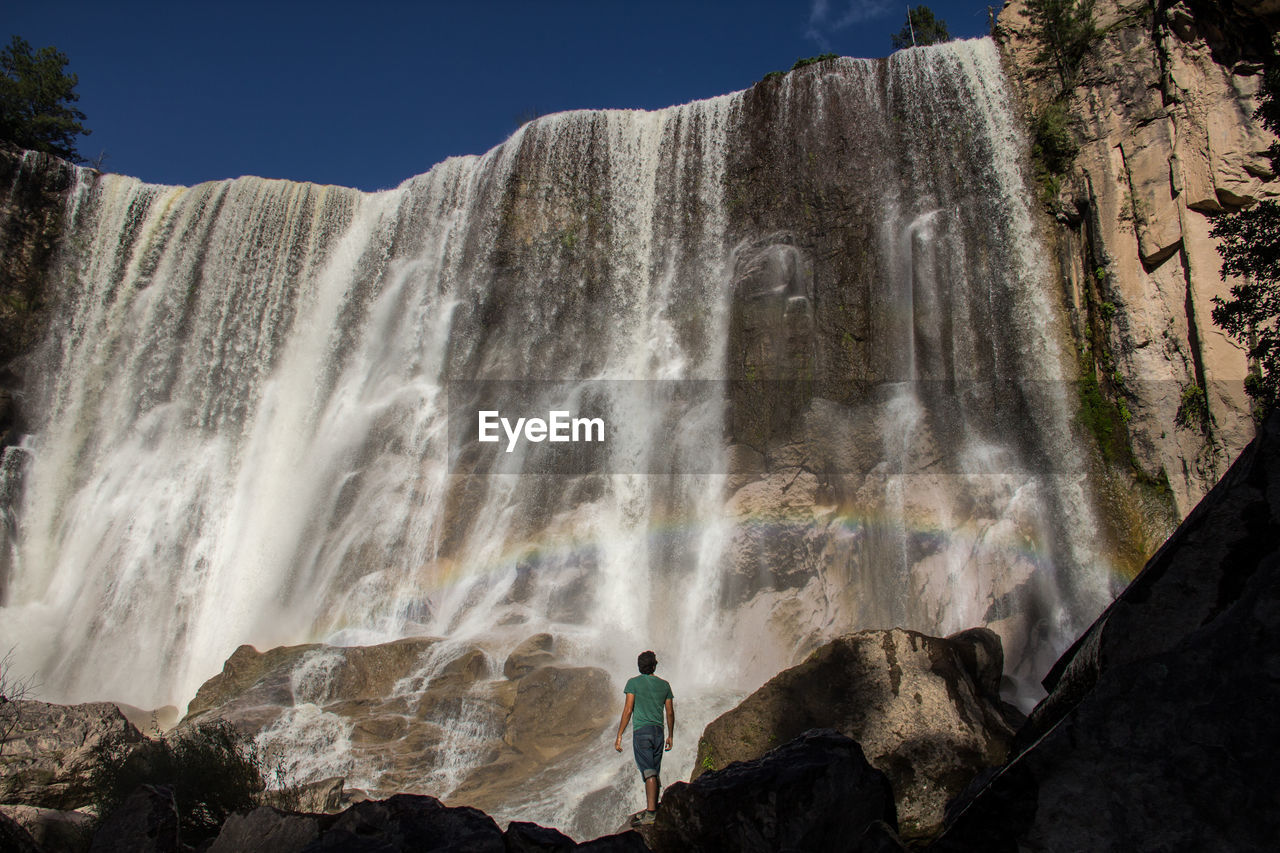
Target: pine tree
{"points": [[1250, 249], [1065, 30], [922, 27], [36, 98]]}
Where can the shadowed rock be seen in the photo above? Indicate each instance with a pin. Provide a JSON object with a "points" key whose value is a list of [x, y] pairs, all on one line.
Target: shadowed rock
{"points": [[269, 830], [919, 712], [51, 829], [146, 822], [815, 793], [410, 823], [1159, 729]]}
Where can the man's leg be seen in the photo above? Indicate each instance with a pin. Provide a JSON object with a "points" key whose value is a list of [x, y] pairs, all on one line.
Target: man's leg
{"points": [[651, 786]]}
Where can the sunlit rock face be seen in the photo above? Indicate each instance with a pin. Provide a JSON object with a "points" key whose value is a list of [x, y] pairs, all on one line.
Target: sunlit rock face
{"points": [[836, 372]]}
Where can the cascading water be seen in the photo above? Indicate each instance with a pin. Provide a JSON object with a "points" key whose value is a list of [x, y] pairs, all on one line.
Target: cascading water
{"points": [[243, 409]]}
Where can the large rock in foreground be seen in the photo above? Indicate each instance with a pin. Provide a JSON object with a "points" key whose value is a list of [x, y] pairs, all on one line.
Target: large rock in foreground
{"points": [[923, 709], [403, 822], [1159, 731], [816, 792], [46, 758], [386, 717]]}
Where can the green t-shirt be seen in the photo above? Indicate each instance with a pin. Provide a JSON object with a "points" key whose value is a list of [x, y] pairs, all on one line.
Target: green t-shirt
{"points": [[651, 694]]}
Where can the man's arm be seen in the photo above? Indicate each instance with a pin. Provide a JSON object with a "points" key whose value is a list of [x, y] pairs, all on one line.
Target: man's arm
{"points": [[671, 720], [626, 718]]}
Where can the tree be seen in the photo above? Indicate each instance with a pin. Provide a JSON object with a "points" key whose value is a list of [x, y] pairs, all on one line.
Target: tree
{"points": [[212, 767], [1065, 30], [36, 98], [921, 28], [1250, 249], [13, 689]]}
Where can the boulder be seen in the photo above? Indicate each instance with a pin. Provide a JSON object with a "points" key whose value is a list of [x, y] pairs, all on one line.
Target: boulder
{"points": [[322, 797], [394, 707], [410, 823], [529, 655], [525, 837], [47, 757], [1159, 731], [146, 822], [51, 829], [269, 830], [14, 838], [921, 708], [622, 842], [816, 792]]}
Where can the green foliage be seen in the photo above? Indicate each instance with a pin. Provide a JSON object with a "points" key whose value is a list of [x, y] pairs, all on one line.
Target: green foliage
{"points": [[1193, 409], [1107, 421], [1053, 146], [1064, 29], [36, 97], [1249, 243], [922, 27], [1107, 310], [813, 60], [212, 768], [775, 75]]}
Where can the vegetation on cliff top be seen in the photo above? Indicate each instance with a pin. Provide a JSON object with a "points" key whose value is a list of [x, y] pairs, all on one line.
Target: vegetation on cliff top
{"points": [[36, 100], [922, 27], [1250, 248], [1065, 30]]}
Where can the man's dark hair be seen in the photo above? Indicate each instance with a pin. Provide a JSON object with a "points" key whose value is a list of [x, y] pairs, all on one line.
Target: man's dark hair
{"points": [[647, 662]]}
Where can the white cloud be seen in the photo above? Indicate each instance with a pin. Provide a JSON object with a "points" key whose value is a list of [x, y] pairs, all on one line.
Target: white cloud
{"points": [[822, 19]]}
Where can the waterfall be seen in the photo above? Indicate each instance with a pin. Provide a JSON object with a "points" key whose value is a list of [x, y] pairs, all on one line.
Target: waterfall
{"points": [[243, 411]]}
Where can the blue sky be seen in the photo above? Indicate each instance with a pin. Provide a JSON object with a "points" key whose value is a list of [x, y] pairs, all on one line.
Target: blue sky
{"points": [[367, 94]]}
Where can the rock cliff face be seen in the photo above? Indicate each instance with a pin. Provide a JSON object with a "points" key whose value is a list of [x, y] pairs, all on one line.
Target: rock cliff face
{"points": [[1163, 109]]}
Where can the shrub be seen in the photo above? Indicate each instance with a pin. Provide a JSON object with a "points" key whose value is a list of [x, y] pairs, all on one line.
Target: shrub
{"points": [[1193, 409], [812, 60], [212, 768]]}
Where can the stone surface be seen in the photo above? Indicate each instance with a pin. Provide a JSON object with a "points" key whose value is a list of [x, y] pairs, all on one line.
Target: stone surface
{"points": [[321, 797], [816, 792], [410, 823], [1159, 732], [46, 758], [1163, 111], [52, 829], [415, 709], [529, 655], [918, 712], [146, 822], [269, 830], [15, 838]]}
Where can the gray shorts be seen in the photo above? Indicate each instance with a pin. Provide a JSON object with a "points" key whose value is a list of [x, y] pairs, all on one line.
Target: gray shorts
{"points": [[647, 743]]}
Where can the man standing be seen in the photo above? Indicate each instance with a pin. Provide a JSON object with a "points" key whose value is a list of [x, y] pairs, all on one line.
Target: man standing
{"points": [[647, 697]]}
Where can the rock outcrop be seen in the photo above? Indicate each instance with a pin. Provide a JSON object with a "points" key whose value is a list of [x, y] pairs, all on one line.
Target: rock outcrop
{"points": [[46, 759], [146, 822], [434, 718], [923, 709], [1159, 732], [816, 792], [401, 823], [1163, 109], [52, 829]]}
